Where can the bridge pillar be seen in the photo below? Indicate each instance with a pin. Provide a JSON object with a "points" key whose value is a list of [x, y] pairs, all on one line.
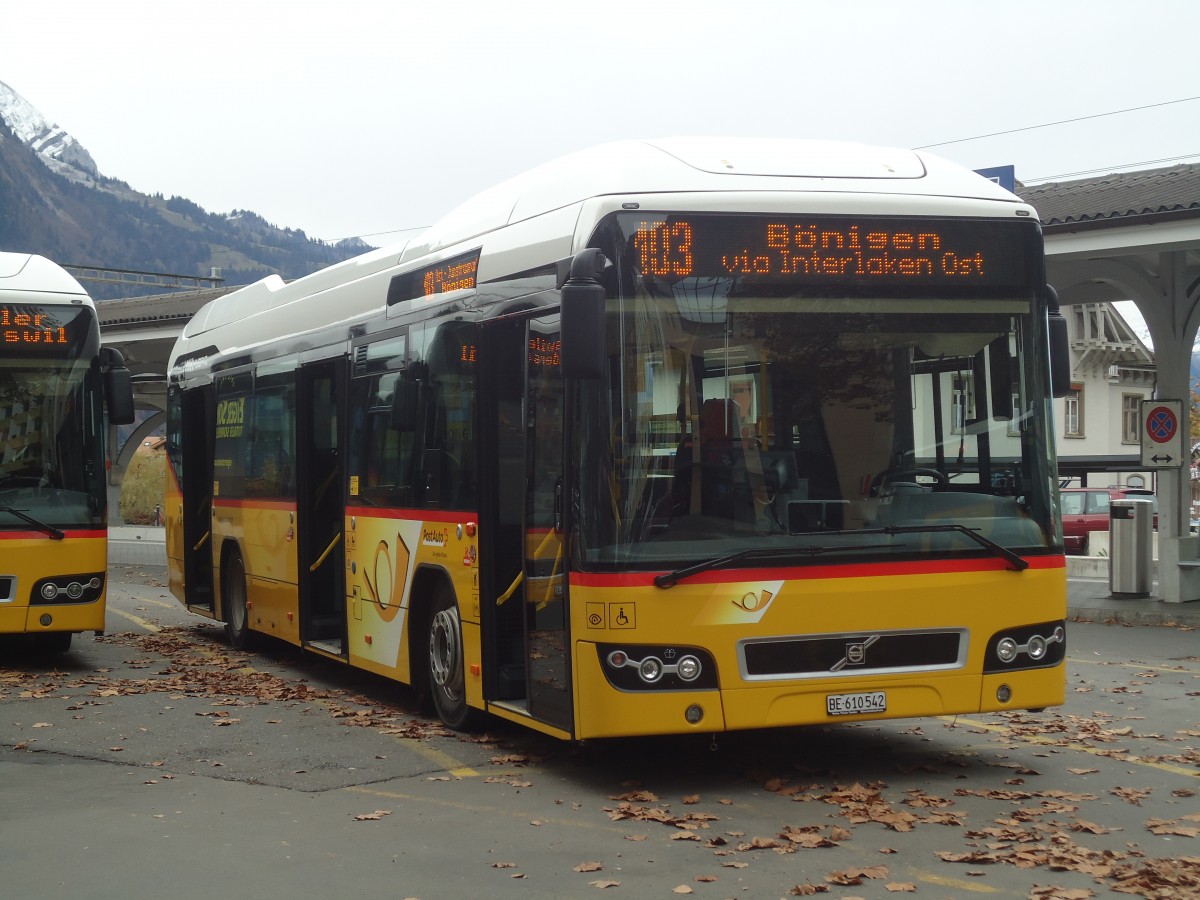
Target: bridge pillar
{"points": [[119, 457]]}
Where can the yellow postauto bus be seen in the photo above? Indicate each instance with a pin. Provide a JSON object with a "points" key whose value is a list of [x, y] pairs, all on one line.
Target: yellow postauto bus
{"points": [[661, 437], [55, 379]]}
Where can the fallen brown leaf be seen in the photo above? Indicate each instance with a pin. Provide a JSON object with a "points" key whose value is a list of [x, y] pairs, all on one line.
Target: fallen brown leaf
{"points": [[371, 817]]}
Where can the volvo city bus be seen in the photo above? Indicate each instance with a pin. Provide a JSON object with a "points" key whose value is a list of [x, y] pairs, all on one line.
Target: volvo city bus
{"points": [[661, 437], [55, 379]]}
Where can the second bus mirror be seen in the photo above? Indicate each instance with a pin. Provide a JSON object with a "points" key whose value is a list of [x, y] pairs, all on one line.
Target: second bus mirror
{"points": [[118, 387], [1060, 347], [581, 318]]}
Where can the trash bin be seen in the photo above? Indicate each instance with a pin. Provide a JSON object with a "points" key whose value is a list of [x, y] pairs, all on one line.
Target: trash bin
{"points": [[1130, 539]]}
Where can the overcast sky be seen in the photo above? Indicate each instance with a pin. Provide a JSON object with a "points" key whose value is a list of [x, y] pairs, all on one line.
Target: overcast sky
{"points": [[348, 117]]}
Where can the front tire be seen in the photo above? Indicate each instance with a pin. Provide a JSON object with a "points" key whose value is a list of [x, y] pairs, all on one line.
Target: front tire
{"points": [[233, 598], [446, 666]]}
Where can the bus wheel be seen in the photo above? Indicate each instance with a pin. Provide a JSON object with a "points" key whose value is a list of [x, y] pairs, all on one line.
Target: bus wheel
{"points": [[233, 598], [446, 666]]}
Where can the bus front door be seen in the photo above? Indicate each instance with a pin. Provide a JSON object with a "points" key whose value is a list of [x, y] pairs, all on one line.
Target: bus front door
{"points": [[546, 640], [197, 418], [320, 508]]}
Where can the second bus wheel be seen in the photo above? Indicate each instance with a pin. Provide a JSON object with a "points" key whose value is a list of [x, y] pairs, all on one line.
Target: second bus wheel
{"points": [[233, 599], [446, 665]]}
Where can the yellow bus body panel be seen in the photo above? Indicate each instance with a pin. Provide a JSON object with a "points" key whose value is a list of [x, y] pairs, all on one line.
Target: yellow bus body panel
{"points": [[719, 611], [265, 533], [28, 560], [173, 520], [384, 555]]}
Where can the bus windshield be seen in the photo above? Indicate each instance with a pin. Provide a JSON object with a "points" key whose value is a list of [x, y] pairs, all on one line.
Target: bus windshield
{"points": [[748, 416], [51, 434]]}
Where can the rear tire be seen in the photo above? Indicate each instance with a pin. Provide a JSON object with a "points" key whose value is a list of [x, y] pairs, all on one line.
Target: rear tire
{"points": [[445, 665], [233, 599]]}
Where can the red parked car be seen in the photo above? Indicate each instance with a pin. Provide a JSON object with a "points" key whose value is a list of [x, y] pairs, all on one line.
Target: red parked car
{"points": [[1086, 509]]}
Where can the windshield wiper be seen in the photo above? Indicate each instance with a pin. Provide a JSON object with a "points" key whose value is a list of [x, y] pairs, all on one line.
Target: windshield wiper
{"points": [[50, 530], [670, 578], [1015, 562]]}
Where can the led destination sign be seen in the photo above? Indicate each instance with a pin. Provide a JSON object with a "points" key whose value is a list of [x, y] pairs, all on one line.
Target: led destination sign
{"points": [[450, 275], [35, 327], [829, 251]]}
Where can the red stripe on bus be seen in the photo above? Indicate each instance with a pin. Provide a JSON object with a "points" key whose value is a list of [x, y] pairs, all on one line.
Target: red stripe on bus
{"points": [[421, 515], [41, 535], [810, 573], [254, 504]]}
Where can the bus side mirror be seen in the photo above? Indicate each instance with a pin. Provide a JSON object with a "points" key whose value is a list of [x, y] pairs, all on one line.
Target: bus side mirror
{"points": [[1060, 347], [118, 386], [581, 319]]}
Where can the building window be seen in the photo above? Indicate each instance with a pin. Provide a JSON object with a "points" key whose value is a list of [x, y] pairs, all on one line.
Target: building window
{"points": [[1131, 418], [1073, 412]]}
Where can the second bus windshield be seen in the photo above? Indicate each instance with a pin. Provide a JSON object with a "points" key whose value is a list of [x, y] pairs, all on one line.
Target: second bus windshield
{"points": [[741, 417]]}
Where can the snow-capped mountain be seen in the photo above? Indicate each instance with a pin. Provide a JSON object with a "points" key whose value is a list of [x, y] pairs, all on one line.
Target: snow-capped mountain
{"points": [[53, 145], [54, 201]]}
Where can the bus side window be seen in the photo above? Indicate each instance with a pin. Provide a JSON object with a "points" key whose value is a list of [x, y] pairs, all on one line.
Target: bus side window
{"points": [[448, 447]]}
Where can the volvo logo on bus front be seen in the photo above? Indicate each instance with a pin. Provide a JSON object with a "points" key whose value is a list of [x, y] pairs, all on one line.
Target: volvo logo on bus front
{"points": [[856, 654]]}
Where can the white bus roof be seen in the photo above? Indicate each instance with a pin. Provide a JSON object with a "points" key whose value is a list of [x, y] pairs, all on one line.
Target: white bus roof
{"points": [[693, 166], [29, 273], [681, 164]]}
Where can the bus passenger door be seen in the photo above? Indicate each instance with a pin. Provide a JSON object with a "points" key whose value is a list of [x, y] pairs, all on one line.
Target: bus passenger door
{"points": [[547, 639], [320, 507], [198, 433]]}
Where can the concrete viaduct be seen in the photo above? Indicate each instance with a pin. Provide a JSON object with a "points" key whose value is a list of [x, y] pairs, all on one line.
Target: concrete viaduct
{"points": [[1131, 236]]}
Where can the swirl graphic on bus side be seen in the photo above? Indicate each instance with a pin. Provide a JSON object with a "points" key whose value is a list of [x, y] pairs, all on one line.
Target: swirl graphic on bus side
{"points": [[388, 608]]}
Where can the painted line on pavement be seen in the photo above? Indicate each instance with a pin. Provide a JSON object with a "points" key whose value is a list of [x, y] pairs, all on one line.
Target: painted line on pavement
{"points": [[1115, 665], [439, 758], [163, 603], [136, 620], [494, 810], [959, 884], [1107, 752]]}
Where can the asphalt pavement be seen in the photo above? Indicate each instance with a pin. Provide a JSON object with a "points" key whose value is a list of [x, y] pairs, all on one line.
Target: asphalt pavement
{"points": [[1089, 598]]}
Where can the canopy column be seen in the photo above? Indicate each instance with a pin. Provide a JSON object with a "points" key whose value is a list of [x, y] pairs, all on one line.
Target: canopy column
{"points": [[1173, 319]]}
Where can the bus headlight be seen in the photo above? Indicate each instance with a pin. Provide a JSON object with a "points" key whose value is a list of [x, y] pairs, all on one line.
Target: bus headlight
{"points": [[658, 667], [1036, 648], [1029, 647], [82, 588], [1006, 650], [688, 668], [650, 669]]}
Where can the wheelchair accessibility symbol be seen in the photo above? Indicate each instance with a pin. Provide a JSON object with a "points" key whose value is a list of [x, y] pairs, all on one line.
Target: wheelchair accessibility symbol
{"points": [[621, 615]]}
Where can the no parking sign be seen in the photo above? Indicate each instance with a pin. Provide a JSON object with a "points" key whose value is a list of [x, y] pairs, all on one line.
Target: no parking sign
{"points": [[1162, 434]]}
